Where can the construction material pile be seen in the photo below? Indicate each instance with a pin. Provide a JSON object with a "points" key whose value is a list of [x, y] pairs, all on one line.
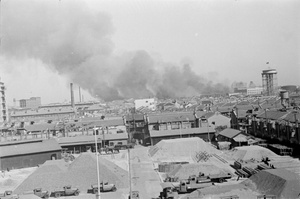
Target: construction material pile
{"points": [[254, 153], [80, 173], [279, 182], [183, 171], [182, 149]]}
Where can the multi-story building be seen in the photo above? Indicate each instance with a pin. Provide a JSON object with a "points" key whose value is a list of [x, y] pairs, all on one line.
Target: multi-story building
{"points": [[3, 108], [33, 102], [255, 91]]}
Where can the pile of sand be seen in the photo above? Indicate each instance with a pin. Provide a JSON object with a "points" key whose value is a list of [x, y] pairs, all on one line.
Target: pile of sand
{"points": [[279, 182], [80, 173], [180, 149], [251, 153], [183, 171]]}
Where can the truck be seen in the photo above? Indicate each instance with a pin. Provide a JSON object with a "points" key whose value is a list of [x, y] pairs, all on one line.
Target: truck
{"points": [[221, 177], [104, 187], [40, 193], [168, 192], [66, 191], [8, 195], [201, 178], [189, 186]]}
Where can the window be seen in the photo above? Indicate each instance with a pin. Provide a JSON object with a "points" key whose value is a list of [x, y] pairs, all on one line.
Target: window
{"points": [[111, 144]]}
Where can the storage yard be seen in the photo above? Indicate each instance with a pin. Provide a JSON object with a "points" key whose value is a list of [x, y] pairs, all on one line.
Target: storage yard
{"points": [[243, 172]]}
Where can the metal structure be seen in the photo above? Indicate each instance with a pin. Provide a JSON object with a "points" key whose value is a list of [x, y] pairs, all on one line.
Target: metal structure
{"points": [[269, 82]]}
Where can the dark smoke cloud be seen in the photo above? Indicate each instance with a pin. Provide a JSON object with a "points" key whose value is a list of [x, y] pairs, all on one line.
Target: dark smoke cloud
{"points": [[76, 42]]}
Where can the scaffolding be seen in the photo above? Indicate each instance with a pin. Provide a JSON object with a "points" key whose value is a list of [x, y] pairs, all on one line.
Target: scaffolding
{"points": [[269, 82]]}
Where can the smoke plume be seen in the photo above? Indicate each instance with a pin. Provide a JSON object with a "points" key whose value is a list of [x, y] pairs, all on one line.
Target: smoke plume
{"points": [[77, 43]]}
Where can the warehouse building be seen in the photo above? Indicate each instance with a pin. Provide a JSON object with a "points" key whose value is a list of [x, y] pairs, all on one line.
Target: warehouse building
{"points": [[23, 154]]}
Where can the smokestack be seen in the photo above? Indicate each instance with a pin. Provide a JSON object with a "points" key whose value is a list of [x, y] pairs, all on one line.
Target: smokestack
{"points": [[79, 95], [72, 95]]}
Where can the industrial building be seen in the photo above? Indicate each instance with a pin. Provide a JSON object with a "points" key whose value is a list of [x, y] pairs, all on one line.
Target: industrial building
{"points": [[28, 153]]}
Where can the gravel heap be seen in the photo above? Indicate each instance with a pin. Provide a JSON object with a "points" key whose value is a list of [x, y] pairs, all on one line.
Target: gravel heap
{"points": [[176, 149], [279, 182], [245, 153], [80, 173], [183, 171]]}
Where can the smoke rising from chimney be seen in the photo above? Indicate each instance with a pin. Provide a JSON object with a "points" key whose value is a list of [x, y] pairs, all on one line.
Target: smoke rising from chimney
{"points": [[76, 42]]}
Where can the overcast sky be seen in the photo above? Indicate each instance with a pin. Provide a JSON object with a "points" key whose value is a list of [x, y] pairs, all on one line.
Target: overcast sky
{"points": [[221, 40]]}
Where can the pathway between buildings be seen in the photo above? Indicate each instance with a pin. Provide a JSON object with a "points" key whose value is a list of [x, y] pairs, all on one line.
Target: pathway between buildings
{"points": [[144, 178]]}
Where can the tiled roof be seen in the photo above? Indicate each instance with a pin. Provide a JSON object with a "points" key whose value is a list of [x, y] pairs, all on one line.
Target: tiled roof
{"points": [[229, 133], [223, 109], [273, 115], [291, 116], [200, 114], [189, 131], [244, 107], [29, 148], [171, 117], [241, 113], [132, 117]]}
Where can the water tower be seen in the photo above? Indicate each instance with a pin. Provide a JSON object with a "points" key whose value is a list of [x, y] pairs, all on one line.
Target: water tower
{"points": [[269, 82]]}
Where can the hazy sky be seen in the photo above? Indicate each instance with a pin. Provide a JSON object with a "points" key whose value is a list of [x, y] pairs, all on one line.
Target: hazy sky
{"points": [[223, 41]]}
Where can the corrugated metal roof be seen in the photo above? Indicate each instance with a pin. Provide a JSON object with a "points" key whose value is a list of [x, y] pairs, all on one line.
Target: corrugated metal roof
{"points": [[63, 141], [29, 148], [189, 131], [229, 133]]}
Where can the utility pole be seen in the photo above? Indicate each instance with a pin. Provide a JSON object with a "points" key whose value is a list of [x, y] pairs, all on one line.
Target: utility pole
{"points": [[98, 172], [129, 170]]}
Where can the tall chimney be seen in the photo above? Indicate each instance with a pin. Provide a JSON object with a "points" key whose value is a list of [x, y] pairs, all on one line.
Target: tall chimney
{"points": [[72, 95], [79, 95]]}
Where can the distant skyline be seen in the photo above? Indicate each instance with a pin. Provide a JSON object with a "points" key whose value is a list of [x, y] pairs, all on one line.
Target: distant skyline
{"points": [[221, 40]]}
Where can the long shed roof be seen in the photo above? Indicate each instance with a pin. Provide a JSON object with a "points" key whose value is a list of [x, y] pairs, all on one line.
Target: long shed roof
{"points": [[29, 148]]}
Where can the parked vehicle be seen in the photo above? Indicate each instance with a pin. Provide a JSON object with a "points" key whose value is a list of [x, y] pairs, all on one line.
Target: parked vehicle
{"points": [[168, 192], [104, 187], [135, 195], [66, 191], [189, 186], [40, 193], [8, 195], [210, 178]]}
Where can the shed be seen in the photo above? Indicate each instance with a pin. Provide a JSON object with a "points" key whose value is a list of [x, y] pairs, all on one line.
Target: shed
{"points": [[235, 137]]}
